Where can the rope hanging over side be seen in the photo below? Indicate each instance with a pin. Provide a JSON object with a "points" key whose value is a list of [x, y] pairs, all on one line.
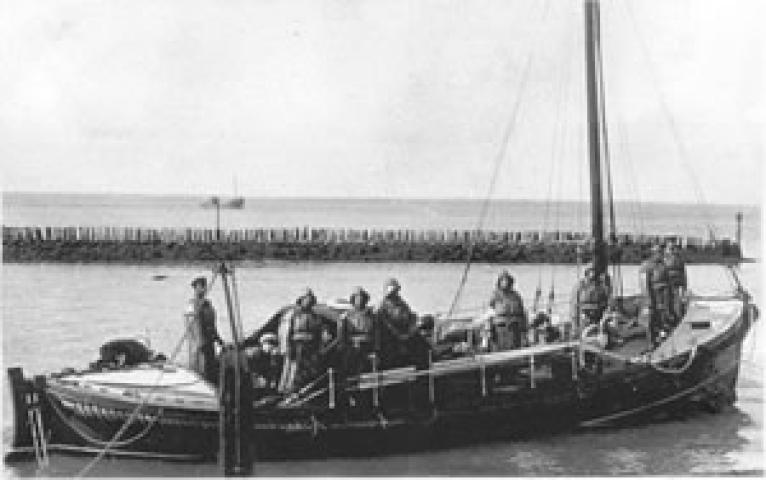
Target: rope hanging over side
{"points": [[616, 272], [679, 370]]}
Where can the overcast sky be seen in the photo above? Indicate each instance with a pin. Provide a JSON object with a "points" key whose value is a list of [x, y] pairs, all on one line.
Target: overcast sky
{"points": [[371, 98]]}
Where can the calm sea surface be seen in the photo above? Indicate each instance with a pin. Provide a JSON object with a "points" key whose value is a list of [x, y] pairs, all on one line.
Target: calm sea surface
{"points": [[56, 316], [26, 209]]}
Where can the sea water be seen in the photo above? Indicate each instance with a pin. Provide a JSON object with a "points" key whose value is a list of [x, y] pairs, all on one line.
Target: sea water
{"points": [[57, 316]]}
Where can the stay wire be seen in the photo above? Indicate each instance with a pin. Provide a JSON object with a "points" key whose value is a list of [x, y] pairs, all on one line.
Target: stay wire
{"points": [[674, 130], [558, 131], [84, 471], [563, 149], [135, 412], [607, 163], [632, 179], [493, 181]]}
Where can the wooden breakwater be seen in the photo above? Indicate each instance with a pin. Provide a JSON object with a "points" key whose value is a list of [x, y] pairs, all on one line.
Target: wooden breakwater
{"points": [[167, 245]]}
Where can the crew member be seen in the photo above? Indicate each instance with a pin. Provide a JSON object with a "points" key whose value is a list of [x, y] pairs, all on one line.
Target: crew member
{"points": [[591, 299], [676, 269], [398, 324], [508, 323], [544, 331], [656, 285], [359, 334], [613, 320], [304, 334], [203, 332]]}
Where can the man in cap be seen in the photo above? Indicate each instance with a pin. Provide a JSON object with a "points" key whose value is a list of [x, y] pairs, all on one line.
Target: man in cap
{"points": [[358, 333], [591, 298], [204, 331], [508, 324], [398, 327], [265, 359], [656, 284], [304, 332], [676, 269]]}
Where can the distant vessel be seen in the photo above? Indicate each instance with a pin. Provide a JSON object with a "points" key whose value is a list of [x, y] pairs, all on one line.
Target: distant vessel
{"points": [[236, 202], [211, 202]]}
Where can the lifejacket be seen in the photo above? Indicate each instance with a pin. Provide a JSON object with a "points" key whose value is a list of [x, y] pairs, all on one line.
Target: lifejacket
{"points": [[507, 304], [306, 327], [592, 297], [675, 270], [658, 276], [397, 313], [361, 325]]}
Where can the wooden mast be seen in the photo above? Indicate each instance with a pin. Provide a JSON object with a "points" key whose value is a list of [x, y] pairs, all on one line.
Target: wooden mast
{"points": [[593, 75]]}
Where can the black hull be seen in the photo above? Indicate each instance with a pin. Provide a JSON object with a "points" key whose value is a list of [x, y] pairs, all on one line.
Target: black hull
{"points": [[580, 399]]}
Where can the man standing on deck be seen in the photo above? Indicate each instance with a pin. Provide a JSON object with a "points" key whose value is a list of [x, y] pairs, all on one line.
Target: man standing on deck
{"points": [[203, 330], [400, 342], [676, 269], [305, 331], [655, 278], [509, 322], [591, 298], [359, 334]]}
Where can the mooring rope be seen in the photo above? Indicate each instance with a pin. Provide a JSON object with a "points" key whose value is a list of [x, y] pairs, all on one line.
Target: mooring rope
{"points": [[101, 443], [642, 360], [680, 370]]}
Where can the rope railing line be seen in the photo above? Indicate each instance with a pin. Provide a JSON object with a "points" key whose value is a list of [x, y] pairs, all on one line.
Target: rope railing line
{"points": [[103, 443], [676, 371]]}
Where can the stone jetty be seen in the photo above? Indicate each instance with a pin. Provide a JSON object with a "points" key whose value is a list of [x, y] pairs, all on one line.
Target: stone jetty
{"points": [[189, 245]]}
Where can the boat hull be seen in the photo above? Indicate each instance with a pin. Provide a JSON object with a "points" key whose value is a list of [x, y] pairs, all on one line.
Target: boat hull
{"points": [[516, 395]]}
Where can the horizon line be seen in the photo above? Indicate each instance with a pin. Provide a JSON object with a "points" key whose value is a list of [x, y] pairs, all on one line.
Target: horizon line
{"points": [[204, 196]]}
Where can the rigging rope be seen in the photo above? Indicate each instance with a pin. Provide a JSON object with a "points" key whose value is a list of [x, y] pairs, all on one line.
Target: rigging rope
{"points": [[493, 182], [498, 163], [679, 370], [616, 273], [674, 130], [554, 178], [111, 443], [633, 180]]}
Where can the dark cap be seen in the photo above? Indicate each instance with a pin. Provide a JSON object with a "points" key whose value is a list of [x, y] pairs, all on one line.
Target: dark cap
{"points": [[199, 281], [361, 293], [507, 275], [308, 294]]}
